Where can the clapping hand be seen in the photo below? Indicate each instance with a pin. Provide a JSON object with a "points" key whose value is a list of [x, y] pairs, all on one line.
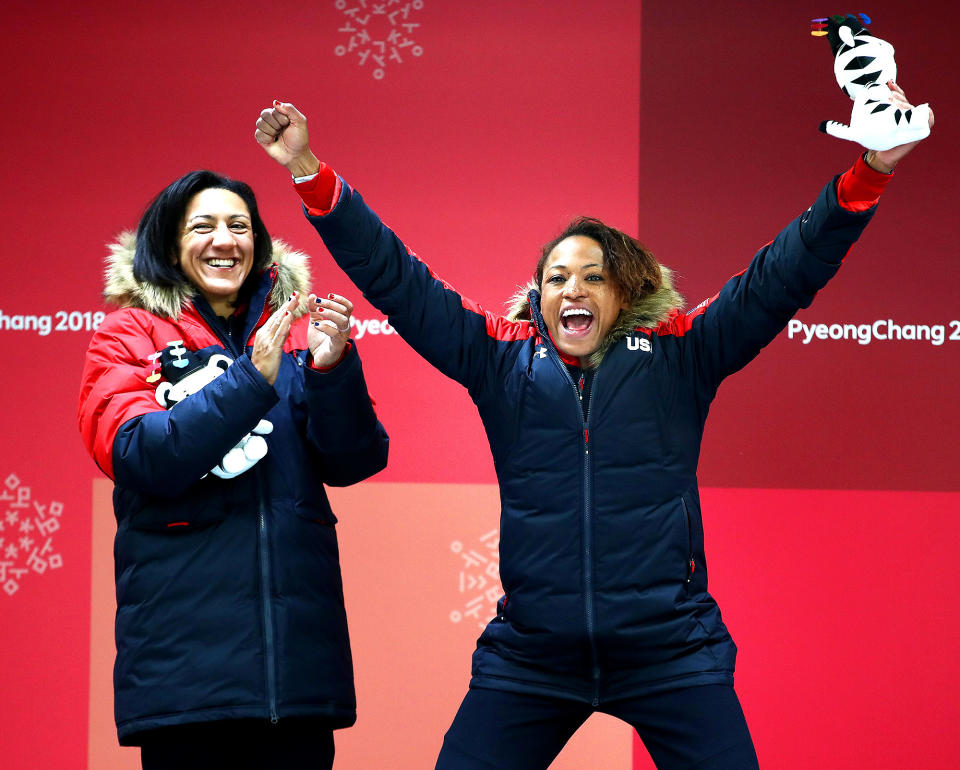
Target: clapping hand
{"points": [[270, 339]]}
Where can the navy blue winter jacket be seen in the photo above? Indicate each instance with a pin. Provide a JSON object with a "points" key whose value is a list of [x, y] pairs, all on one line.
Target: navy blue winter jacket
{"points": [[601, 541], [229, 595]]}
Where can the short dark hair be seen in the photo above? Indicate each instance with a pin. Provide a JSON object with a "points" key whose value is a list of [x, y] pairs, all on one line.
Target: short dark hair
{"points": [[630, 264], [158, 233]]}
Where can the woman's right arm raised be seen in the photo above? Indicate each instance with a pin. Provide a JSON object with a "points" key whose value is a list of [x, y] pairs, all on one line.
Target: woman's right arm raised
{"points": [[282, 133], [450, 332]]}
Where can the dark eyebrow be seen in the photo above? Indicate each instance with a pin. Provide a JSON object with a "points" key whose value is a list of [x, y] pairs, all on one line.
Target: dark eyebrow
{"points": [[564, 267], [210, 216]]}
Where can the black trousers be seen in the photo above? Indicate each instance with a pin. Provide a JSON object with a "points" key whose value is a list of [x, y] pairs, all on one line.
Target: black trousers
{"points": [[696, 727], [240, 744]]}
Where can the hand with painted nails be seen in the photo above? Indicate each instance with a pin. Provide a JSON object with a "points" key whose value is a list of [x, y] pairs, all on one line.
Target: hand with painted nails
{"points": [[329, 328], [886, 160], [270, 339], [282, 133]]}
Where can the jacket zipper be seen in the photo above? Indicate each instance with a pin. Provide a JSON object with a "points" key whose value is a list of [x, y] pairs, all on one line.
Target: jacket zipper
{"points": [[268, 630], [588, 544], [265, 584], [229, 344], [239, 348], [691, 564], [588, 606]]}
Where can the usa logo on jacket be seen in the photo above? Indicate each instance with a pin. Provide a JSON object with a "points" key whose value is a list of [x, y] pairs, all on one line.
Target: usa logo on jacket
{"points": [[639, 343]]}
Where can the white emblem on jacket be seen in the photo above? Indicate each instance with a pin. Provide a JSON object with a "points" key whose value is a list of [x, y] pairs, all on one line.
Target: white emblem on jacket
{"points": [[639, 343]]}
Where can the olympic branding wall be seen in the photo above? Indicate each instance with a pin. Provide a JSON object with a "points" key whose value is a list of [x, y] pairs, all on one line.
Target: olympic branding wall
{"points": [[477, 130]]}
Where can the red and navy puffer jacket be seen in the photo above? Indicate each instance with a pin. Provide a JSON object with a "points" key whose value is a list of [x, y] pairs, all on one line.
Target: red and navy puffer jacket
{"points": [[601, 541], [229, 595]]}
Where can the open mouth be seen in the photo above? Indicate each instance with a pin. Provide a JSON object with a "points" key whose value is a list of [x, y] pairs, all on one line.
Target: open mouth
{"points": [[576, 321]]}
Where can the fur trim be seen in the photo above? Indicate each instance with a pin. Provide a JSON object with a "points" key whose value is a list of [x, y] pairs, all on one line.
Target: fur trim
{"points": [[122, 289], [646, 312]]}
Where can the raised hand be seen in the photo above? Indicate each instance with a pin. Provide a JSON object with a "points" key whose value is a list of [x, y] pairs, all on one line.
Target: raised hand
{"points": [[329, 328], [271, 337], [282, 133]]}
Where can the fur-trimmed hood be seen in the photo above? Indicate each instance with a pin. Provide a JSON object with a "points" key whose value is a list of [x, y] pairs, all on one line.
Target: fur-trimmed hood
{"points": [[122, 289], [646, 312]]}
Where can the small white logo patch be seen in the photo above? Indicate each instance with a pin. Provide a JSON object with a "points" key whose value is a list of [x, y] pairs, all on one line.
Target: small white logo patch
{"points": [[639, 343]]}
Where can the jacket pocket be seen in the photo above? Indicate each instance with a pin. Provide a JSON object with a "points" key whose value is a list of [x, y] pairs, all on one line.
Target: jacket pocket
{"points": [[177, 518]]}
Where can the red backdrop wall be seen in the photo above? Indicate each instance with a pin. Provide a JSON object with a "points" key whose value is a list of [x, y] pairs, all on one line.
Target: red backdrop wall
{"points": [[831, 492]]}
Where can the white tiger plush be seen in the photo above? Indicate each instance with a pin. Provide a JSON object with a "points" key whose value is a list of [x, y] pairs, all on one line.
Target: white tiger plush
{"points": [[862, 65]]}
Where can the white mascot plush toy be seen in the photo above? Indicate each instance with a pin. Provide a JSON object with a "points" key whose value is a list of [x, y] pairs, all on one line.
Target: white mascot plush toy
{"points": [[862, 65], [251, 448]]}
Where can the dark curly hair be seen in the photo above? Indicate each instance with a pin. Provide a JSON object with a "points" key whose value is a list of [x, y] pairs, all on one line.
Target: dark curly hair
{"points": [[630, 264]]}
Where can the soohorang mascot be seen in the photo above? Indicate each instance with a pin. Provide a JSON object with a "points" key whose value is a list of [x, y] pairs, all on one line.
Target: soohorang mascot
{"points": [[862, 65], [185, 374]]}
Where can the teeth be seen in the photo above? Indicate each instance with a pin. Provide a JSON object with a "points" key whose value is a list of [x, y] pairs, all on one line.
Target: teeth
{"points": [[576, 311], [221, 263]]}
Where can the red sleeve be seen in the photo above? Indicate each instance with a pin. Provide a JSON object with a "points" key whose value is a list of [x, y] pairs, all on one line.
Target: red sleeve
{"points": [[115, 385], [321, 193], [859, 188]]}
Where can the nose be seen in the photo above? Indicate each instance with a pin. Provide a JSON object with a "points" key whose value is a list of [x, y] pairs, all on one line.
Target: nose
{"points": [[574, 288], [222, 236]]}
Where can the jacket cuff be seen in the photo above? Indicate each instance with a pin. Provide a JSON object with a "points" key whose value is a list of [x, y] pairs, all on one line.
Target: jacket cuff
{"points": [[859, 188], [345, 377], [320, 193], [335, 364]]}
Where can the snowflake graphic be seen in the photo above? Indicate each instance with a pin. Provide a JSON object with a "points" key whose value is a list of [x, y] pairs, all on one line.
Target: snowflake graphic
{"points": [[378, 33], [478, 579], [34, 551]]}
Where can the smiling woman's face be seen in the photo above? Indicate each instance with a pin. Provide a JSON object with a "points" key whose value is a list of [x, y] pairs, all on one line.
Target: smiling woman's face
{"points": [[579, 301], [216, 246]]}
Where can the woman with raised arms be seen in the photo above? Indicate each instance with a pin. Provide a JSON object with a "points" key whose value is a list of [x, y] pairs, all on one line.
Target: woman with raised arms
{"points": [[593, 392]]}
